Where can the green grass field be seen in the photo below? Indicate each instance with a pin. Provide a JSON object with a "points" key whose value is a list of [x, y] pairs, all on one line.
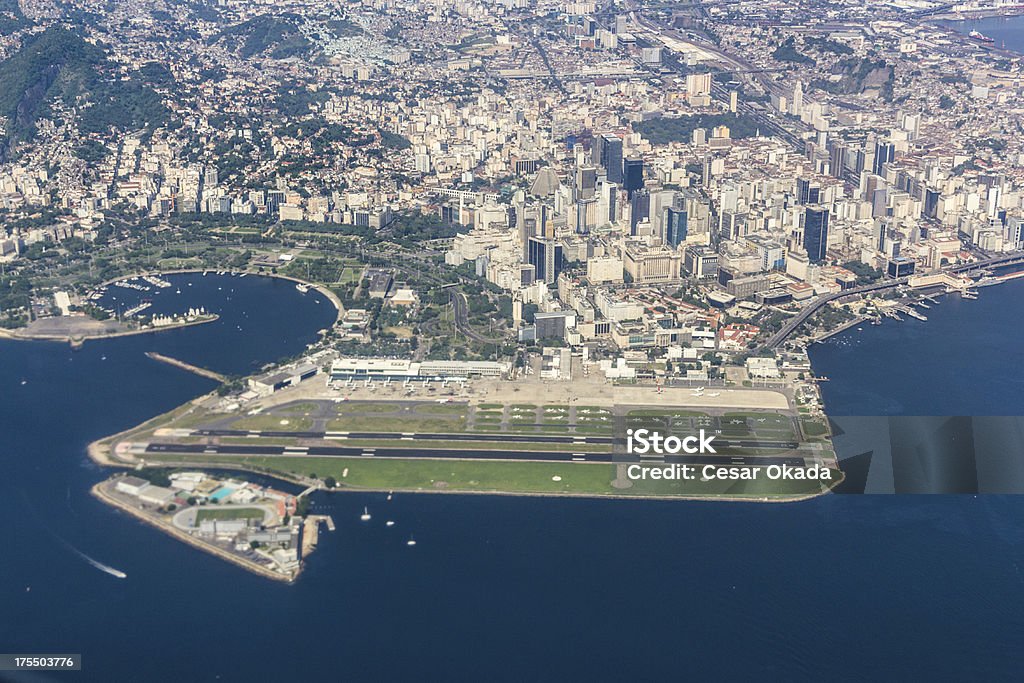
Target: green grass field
{"points": [[222, 513], [513, 477], [398, 423]]}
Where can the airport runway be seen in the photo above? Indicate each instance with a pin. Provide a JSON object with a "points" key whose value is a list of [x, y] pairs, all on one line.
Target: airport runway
{"points": [[487, 436], [519, 455]]}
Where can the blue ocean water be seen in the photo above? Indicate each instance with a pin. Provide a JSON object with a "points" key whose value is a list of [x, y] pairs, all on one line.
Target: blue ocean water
{"points": [[1007, 32], [500, 588], [967, 359]]}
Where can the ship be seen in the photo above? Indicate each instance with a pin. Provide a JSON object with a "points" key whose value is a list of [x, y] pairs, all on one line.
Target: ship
{"points": [[980, 37]]}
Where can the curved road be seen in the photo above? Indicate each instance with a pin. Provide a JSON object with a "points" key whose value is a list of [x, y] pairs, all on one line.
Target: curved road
{"points": [[776, 339], [461, 308]]}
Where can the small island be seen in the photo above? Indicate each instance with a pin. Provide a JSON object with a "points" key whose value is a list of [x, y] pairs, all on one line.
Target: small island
{"points": [[259, 528]]}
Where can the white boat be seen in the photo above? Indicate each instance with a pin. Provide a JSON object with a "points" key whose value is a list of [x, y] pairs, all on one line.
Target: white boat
{"points": [[302, 288], [365, 516], [389, 523], [411, 541]]}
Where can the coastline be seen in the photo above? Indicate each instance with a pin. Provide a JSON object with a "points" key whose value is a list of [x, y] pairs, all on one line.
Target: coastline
{"points": [[326, 291], [981, 13], [76, 340], [98, 492]]}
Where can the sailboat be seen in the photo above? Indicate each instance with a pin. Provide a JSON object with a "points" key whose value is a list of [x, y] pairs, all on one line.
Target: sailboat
{"points": [[365, 516], [411, 541]]}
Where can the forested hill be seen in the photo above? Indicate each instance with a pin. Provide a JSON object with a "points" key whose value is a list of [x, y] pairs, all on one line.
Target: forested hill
{"points": [[58, 65]]}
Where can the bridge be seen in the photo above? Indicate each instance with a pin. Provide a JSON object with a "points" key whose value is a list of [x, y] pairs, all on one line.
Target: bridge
{"points": [[793, 323]]}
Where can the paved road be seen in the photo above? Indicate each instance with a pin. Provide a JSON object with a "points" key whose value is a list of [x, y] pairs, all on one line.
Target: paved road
{"points": [[522, 456], [461, 307], [794, 322]]}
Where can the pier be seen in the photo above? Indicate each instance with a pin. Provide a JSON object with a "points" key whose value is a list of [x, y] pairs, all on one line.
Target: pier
{"points": [[842, 328], [202, 372], [311, 531]]}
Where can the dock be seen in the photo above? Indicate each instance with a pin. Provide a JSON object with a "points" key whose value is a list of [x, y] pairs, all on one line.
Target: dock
{"points": [[195, 369], [311, 531], [842, 328]]}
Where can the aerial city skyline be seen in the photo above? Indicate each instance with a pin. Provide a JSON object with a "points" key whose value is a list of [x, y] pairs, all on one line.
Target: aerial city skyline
{"points": [[276, 269]]}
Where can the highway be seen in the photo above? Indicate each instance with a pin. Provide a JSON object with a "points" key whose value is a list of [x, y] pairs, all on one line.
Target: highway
{"points": [[461, 308], [483, 454], [730, 64], [776, 339]]}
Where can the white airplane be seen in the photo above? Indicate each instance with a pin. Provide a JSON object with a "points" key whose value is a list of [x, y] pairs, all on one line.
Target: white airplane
{"points": [[714, 394]]}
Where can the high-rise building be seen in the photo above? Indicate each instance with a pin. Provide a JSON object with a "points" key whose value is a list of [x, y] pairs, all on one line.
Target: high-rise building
{"points": [[884, 153], [807, 191], [632, 175], [609, 156], [797, 104], [816, 232], [837, 160], [607, 202], [879, 202], [675, 226], [701, 262], [586, 182], [640, 208], [931, 204], [545, 255], [732, 225]]}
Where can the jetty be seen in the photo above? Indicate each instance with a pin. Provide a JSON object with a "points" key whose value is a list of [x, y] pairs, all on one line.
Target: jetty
{"points": [[195, 369], [311, 531]]}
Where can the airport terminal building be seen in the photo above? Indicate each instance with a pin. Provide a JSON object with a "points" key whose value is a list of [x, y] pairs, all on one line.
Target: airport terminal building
{"points": [[397, 370]]}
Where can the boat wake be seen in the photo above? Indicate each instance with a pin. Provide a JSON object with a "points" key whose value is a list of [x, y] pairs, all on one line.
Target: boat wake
{"points": [[105, 568], [99, 565]]}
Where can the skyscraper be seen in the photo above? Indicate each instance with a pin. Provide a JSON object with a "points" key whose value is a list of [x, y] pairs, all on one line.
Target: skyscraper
{"points": [[816, 232], [610, 156], [675, 226], [545, 255], [931, 204], [797, 103], [633, 175], [586, 182], [884, 152], [640, 205]]}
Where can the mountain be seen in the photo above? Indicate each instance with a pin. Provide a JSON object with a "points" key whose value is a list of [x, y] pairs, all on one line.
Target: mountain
{"points": [[57, 65], [280, 36]]}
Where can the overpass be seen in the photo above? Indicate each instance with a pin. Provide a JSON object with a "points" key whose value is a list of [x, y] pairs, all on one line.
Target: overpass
{"points": [[793, 323]]}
